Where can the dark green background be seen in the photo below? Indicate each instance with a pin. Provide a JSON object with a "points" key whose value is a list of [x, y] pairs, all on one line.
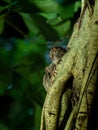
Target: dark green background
{"points": [[28, 29]]}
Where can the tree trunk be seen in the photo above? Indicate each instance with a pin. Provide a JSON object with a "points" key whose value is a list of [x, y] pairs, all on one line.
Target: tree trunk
{"points": [[74, 106]]}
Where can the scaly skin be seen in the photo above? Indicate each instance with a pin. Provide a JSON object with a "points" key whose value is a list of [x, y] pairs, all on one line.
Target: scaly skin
{"points": [[55, 54]]}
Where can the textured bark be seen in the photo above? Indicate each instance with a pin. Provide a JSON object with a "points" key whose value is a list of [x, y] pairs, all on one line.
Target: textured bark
{"points": [[70, 107]]}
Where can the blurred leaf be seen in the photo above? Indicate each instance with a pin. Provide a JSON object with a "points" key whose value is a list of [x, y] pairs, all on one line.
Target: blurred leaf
{"points": [[34, 78], [46, 5], [63, 28], [26, 47], [64, 2], [66, 11], [27, 6], [77, 5], [2, 87], [46, 30], [3, 127], [37, 116], [7, 1], [60, 1], [49, 16], [8, 6], [30, 23], [1, 23], [54, 21]]}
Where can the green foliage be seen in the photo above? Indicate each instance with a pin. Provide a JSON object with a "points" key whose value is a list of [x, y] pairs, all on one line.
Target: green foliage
{"points": [[28, 28]]}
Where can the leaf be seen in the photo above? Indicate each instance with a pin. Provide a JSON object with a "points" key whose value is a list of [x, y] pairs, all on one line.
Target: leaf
{"points": [[45, 28], [48, 6], [63, 28], [55, 21], [27, 6], [49, 16], [3, 127], [77, 5], [2, 88], [30, 23], [66, 11], [1, 23], [7, 1]]}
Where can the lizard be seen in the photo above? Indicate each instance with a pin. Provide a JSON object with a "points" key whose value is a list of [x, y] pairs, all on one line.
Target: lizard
{"points": [[55, 55]]}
